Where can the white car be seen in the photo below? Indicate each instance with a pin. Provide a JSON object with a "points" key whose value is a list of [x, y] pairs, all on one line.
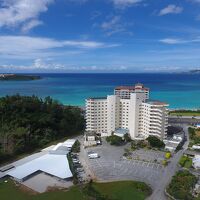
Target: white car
{"points": [[93, 155]]}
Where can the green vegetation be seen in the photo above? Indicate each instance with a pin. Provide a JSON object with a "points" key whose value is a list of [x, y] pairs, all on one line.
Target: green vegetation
{"points": [[76, 147], [115, 140], [164, 162], [181, 185], [28, 123], [123, 190], [138, 144], [185, 162], [127, 153], [168, 155], [154, 142], [127, 137], [19, 77], [194, 135], [185, 113], [72, 168]]}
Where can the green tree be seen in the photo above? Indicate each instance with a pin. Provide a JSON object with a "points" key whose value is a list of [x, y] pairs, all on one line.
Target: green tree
{"points": [[155, 142]]}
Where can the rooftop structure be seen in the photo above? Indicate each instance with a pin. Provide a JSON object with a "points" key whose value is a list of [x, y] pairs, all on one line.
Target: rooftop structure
{"points": [[125, 91], [90, 138]]}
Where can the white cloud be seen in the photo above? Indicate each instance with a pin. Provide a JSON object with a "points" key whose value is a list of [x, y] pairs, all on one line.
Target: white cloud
{"points": [[171, 41], [162, 69], [43, 65], [17, 13], [114, 25], [38, 64], [178, 41], [30, 25], [125, 3], [171, 9], [29, 47]]}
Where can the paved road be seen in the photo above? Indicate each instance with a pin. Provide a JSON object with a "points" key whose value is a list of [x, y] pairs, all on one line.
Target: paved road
{"points": [[184, 120], [83, 157], [170, 170]]}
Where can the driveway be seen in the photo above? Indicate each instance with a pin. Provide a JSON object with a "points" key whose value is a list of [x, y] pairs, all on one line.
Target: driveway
{"points": [[170, 170]]}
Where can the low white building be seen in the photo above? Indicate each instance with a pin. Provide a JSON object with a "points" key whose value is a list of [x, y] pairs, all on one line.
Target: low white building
{"points": [[196, 162], [55, 165], [131, 111], [172, 143], [196, 147], [62, 148], [90, 139]]}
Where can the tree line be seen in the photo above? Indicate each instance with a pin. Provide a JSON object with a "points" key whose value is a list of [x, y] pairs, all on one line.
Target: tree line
{"points": [[29, 122]]}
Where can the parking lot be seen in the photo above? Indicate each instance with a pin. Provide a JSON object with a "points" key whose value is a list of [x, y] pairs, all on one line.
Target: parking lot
{"points": [[148, 155], [144, 166]]}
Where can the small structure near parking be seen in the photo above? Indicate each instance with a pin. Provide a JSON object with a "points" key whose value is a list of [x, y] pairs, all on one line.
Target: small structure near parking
{"points": [[90, 139], [196, 162], [173, 142]]}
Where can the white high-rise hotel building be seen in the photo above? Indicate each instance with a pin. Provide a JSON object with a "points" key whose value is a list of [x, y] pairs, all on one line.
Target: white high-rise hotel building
{"points": [[128, 109]]}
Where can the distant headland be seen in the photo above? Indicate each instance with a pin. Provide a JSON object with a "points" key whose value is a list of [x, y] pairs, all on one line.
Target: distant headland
{"points": [[195, 71], [18, 77]]}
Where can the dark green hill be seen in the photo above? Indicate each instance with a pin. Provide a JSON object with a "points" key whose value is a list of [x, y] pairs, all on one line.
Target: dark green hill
{"points": [[18, 77]]}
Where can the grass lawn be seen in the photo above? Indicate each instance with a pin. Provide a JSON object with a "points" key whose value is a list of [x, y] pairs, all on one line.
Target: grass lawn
{"points": [[185, 162], [188, 163], [124, 190]]}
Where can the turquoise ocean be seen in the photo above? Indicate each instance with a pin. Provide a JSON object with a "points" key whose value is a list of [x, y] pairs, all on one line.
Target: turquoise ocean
{"points": [[179, 90]]}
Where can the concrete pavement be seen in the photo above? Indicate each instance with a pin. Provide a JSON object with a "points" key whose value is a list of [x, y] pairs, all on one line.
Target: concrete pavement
{"points": [[170, 170]]}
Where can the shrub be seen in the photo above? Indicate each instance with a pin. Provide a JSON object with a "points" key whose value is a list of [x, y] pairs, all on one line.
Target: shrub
{"points": [[181, 185], [155, 142], [114, 140], [127, 137], [76, 147], [185, 161], [164, 162], [168, 155]]}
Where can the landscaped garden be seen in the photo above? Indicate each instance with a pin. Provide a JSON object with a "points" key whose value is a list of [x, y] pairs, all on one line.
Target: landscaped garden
{"points": [[194, 135], [181, 185]]}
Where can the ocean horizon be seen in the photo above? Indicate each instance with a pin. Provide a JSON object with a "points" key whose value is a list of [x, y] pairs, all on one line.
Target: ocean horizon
{"points": [[181, 91]]}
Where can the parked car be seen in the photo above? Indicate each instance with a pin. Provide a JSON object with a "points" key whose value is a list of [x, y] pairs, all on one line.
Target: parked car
{"points": [[93, 155]]}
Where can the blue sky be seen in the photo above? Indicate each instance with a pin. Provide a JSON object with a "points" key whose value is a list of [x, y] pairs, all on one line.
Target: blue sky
{"points": [[99, 35]]}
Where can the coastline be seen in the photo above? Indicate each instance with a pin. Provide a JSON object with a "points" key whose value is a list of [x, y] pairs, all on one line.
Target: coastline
{"points": [[73, 89]]}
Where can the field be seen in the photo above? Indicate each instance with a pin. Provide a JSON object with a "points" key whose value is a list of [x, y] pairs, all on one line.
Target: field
{"points": [[123, 190]]}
